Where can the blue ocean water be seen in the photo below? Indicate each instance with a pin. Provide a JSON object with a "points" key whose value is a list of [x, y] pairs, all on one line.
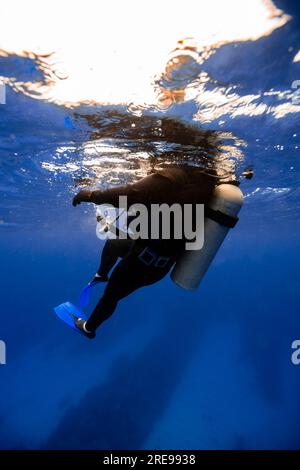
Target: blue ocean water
{"points": [[171, 369]]}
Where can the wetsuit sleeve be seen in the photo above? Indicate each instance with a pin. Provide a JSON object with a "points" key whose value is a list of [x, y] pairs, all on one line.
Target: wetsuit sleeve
{"points": [[111, 196], [152, 188]]}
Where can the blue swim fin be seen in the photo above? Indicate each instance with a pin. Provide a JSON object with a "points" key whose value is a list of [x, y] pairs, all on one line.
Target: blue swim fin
{"points": [[86, 291], [67, 311], [85, 295]]}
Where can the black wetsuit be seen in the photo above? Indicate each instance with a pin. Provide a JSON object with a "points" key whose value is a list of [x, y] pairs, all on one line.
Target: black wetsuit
{"points": [[148, 261]]}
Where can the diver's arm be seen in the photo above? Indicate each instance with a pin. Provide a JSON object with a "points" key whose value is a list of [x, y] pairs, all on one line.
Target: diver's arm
{"points": [[108, 196], [112, 195], [152, 188]]}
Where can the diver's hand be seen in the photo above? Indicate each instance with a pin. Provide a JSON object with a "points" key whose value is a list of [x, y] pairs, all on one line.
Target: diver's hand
{"points": [[82, 196]]}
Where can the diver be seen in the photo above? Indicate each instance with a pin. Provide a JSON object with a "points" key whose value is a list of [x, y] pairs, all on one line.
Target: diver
{"points": [[144, 262]]}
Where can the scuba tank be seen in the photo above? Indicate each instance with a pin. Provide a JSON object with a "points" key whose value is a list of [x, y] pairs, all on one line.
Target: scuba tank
{"points": [[220, 216]]}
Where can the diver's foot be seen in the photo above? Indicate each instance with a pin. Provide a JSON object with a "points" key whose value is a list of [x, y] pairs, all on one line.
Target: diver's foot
{"points": [[99, 278], [80, 324]]}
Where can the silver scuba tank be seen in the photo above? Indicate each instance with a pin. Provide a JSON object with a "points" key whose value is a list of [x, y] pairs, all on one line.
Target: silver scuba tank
{"points": [[193, 264]]}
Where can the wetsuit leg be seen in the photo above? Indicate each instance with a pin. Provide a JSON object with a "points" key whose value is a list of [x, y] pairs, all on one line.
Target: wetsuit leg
{"points": [[113, 249], [129, 275]]}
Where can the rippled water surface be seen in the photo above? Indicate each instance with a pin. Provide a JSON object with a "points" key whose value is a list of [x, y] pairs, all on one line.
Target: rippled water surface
{"points": [[98, 95], [240, 89]]}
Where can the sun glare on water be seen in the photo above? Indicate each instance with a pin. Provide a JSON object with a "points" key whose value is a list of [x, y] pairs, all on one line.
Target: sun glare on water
{"points": [[110, 52]]}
